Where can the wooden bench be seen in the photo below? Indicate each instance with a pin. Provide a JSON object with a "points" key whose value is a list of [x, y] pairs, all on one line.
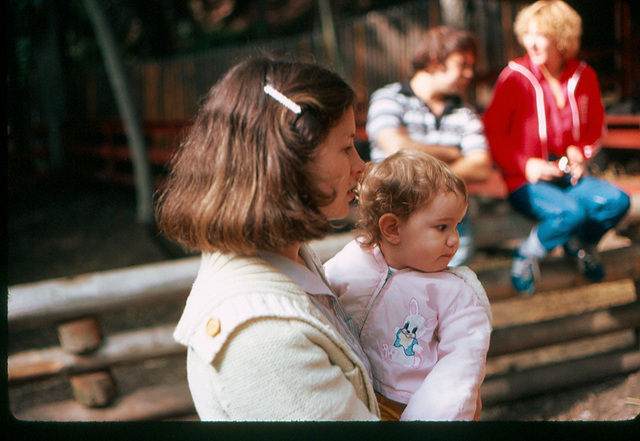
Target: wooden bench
{"points": [[623, 132], [74, 307], [99, 148]]}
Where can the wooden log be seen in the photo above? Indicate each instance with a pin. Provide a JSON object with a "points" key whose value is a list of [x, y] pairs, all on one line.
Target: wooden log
{"points": [[169, 401], [47, 302], [117, 349], [145, 404], [80, 336], [559, 376], [95, 389], [150, 343], [534, 335], [37, 304], [626, 138]]}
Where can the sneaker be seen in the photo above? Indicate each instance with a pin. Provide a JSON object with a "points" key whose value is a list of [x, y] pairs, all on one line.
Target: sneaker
{"points": [[590, 265], [587, 260], [572, 248], [524, 272]]}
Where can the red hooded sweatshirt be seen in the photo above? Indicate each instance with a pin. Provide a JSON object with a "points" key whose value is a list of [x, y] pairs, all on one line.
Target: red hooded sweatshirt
{"points": [[523, 120]]}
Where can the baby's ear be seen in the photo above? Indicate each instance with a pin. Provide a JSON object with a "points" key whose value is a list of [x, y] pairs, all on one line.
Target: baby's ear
{"points": [[388, 225]]}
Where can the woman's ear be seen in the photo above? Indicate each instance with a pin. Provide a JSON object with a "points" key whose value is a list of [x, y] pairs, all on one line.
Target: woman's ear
{"points": [[389, 228]]}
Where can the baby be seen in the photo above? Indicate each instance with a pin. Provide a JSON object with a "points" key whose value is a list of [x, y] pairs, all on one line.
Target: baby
{"points": [[425, 327]]}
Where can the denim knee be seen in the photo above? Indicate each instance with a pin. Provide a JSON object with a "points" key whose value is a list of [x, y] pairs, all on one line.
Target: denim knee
{"points": [[561, 226], [620, 206]]}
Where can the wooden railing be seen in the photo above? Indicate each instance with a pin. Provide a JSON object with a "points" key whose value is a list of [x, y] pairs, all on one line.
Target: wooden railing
{"points": [[623, 132]]}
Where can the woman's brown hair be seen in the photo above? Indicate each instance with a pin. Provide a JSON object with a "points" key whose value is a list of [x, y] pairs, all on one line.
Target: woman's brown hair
{"points": [[242, 180]]}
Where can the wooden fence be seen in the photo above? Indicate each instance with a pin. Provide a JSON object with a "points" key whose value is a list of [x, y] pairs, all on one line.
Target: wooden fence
{"points": [[86, 356], [374, 49]]}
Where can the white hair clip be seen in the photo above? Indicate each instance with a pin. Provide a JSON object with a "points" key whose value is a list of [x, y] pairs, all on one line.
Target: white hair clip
{"points": [[282, 99]]}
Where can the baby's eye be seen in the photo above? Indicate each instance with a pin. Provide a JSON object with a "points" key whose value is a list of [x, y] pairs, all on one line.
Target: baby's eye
{"points": [[441, 227]]}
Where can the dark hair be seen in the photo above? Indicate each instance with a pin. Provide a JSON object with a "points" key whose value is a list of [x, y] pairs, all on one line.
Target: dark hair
{"points": [[243, 180], [438, 43]]}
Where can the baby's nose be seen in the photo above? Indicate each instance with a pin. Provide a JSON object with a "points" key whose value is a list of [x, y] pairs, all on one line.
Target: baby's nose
{"points": [[453, 240]]}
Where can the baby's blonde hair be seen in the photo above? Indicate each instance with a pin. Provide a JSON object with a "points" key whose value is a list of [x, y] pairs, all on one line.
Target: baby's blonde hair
{"points": [[401, 184], [555, 19]]}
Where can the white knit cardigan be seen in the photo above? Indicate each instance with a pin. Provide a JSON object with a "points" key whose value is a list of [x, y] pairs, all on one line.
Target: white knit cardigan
{"points": [[271, 354]]}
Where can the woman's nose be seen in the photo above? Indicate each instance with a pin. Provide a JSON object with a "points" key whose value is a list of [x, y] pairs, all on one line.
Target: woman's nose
{"points": [[527, 41], [357, 166]]}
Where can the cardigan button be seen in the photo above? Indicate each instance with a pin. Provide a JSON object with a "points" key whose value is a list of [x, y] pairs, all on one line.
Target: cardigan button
{"points": [[213, 327]]}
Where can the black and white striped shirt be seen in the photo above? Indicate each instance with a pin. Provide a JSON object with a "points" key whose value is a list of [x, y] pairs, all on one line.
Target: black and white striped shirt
{"points": [[396, 105]]}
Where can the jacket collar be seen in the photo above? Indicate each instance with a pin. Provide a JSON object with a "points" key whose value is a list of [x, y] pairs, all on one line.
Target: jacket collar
{"points": [[569, 69], [308, 278]]}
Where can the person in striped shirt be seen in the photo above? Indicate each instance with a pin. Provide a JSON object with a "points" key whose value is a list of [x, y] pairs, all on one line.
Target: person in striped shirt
{"points": [[426, 113]]}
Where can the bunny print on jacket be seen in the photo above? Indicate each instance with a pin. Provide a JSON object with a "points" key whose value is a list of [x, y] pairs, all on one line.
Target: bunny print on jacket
{"points": [[406, 348]]}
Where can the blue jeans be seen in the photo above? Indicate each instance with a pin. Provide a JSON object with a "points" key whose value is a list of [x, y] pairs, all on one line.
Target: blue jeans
{"points": [[586, 210]]}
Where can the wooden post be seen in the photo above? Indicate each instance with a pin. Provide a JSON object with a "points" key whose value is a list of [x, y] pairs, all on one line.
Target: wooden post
{"points": [[80, 336], [95, 389]]}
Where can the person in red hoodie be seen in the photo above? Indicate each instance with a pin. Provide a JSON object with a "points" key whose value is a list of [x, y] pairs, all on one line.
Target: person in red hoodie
{"points": [[543, 125]]}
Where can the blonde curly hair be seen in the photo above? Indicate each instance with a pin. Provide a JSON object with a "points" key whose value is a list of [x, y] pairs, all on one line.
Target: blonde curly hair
{"points": [[557, 20], [401, 184]]}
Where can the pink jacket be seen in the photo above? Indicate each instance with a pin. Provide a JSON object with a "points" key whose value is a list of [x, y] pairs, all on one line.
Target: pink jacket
{"points": [[426, 334], [523, 120]]}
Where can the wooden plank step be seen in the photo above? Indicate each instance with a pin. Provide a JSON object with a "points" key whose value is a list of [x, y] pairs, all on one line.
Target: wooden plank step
{"points": [[558, 376], [511, 339], [145, 404], [561, 273]]}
